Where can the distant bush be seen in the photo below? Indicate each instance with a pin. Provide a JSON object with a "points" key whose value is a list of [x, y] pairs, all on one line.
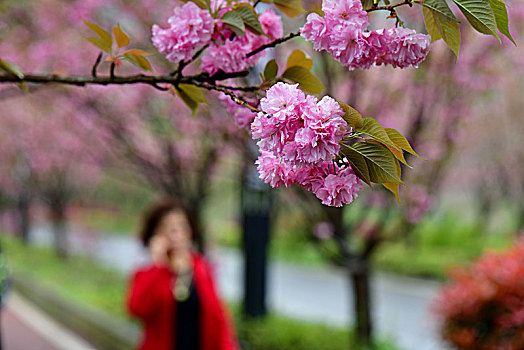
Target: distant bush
{"points": [[483, 307]]}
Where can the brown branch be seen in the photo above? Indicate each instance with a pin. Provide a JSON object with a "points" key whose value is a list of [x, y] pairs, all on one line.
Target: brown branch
{"points": [[183, 64], [116, 80], [112, 70], [391, 8], [234, 97], [240, 88], [273, 43], [95, 67]]}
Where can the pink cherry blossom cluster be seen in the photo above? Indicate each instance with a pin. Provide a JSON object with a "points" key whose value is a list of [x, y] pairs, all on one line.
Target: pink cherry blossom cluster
{"points": [[342, 33], [228, 52], [334, 185], [299, 140], [299, 128], [189, 28]]}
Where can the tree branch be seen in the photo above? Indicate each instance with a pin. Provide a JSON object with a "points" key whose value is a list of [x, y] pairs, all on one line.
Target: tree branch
{"points": [[183, 64], [391, 8], [152, 80], [95, 67], [274, 43], [224, 90]]}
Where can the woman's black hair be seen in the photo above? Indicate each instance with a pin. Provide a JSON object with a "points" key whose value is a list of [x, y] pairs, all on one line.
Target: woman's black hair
{"points": [[157, 212]]}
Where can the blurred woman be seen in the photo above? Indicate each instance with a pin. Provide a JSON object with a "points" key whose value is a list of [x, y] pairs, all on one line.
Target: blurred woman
{"points": [[175, 296]]}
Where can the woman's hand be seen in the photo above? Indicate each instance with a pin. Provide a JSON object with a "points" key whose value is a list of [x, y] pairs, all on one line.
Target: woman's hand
{"points": [[159, 247]]}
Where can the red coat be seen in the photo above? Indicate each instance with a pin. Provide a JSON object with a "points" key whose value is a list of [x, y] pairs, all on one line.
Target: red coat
{"points": [[150, 298]]}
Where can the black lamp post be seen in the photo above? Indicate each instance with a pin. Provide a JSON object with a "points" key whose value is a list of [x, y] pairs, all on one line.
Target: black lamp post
{"points": [[256, 206]]}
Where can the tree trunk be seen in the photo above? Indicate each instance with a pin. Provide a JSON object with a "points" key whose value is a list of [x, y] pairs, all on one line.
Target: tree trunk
{"points": [[23, 220], [198, 237], [59, 231], [360, 284], [358, 274]]}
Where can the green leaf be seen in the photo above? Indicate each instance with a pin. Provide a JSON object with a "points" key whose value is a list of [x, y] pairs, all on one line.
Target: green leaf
{"points": [[367, 4], [103, 45], [380, 161], [439, 28], [373, 129], [401, 141], [203, 4], [307, 81], [250, 18], [291, 8], [137, 52], [397, 152], [394, 188], [480, 15], [271, 70], [298, 58], [192, 104], [441, 9], [191, 95], [358, 163], [193, 91], [351, 115], [105, 39], [431, 25], [121, 38], [11, 68], [501, 17], [139, 61], [234, 22]]}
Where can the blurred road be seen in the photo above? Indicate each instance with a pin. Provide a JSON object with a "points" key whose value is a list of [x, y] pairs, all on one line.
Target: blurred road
{"points": [[25, 327], [401, 304]]}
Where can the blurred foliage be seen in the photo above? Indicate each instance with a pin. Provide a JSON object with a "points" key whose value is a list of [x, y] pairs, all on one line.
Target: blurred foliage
{"points": [[85, 282]]}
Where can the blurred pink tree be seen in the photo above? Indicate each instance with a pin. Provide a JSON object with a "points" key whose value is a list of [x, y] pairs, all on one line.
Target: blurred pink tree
{"points": [[48, 154]]}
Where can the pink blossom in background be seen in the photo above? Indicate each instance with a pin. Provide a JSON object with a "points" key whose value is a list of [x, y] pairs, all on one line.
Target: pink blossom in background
{"points": [[323, 230], [229, 55], [342, 33], [189, 28], [243, 116], [417, 202]]}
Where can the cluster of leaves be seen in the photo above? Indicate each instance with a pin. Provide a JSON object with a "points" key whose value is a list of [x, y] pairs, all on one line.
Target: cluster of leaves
{"points": [[483, 307], [486, 16], [298, 70], [376, 157], [104, 41]]}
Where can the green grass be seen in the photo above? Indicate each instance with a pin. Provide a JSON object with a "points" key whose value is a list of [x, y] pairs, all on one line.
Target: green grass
{"points": [[439, 244], [77, 279], [108, 221], [82, 281]]}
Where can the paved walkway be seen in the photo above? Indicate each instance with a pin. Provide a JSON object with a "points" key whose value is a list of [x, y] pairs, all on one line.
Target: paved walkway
{"points": [[401, 304], [25, 327]]}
